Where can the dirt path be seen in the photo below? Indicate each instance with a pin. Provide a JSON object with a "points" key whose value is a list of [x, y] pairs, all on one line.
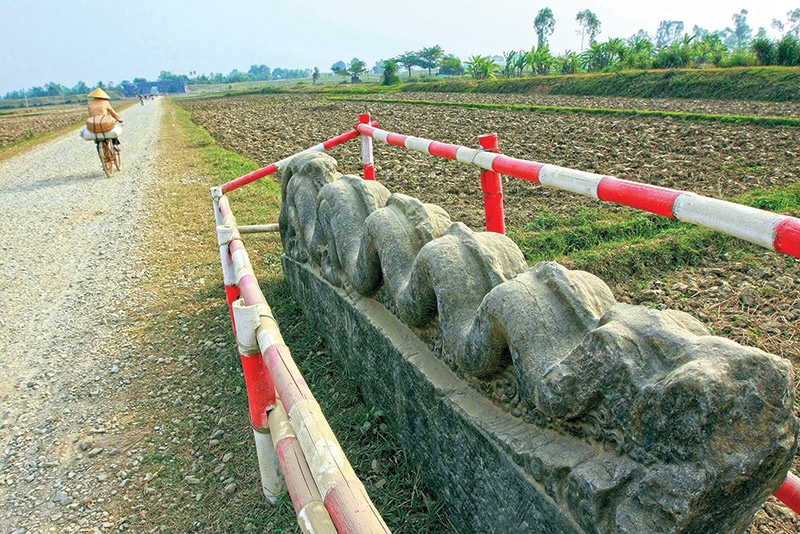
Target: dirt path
{"points": [[67, 266]]}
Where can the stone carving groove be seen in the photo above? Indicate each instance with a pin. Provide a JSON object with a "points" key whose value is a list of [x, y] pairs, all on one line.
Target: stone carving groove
{"points": [[411, 224], [659, 426], [342, 207]]}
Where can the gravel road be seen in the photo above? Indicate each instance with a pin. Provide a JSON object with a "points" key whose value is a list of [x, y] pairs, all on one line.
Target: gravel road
{"points": [[68, 264]]}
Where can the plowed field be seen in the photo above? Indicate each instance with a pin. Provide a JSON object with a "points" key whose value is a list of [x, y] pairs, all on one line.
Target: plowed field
{"points": [[751, 298], [19, 126]]}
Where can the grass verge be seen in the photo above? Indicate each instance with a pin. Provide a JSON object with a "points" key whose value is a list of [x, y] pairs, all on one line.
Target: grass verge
{"points": [[197, 444]]}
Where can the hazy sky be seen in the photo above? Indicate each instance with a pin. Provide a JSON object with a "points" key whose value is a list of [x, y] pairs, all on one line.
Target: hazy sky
{"points": [[66, 41]]}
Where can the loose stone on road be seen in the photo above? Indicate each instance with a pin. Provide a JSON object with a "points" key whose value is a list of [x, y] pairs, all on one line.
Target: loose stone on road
{"points": [[68, 264]]}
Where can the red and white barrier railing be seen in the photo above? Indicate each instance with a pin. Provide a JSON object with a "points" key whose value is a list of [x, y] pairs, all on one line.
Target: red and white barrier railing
{"points": [[770, 230], [369, 169], [267, 361], [789, 493], [299, 453]]}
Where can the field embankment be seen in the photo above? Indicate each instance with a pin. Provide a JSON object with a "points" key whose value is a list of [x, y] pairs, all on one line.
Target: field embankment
{"points": [[778, 84], [758, 84]]}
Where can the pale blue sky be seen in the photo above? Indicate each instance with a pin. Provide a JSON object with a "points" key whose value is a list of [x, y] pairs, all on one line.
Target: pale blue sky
{"points": [[65, 41]]}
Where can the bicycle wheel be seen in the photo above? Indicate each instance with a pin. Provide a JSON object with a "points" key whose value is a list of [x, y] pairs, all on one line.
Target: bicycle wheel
{"points": [[117, 158], [108, 158]]}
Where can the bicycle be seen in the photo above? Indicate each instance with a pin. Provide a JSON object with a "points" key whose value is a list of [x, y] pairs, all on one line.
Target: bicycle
{"points": [[110, 157], [104, 138]]}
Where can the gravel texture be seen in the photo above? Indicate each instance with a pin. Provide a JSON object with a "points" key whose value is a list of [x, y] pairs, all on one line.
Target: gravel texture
{"points": [[68, 265]]}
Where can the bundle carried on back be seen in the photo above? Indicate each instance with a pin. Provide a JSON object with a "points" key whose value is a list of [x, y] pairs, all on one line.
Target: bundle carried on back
{"points": [[100, 123], [100, 127]]}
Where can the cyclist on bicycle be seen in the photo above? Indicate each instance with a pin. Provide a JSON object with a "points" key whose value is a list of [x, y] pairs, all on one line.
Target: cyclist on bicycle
{"points": [[99, 105]]}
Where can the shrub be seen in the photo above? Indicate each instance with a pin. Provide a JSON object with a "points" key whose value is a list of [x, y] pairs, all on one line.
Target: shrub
{"points": [[789, 51], [765, 50], [740, 58], [389, 76]]}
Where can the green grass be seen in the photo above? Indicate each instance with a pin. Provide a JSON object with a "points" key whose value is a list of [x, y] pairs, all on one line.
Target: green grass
{"points": [[746, 83], [632, 244]]}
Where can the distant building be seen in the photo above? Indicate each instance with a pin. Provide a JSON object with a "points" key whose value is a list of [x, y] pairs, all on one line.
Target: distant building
{"points": [[148, 88]]}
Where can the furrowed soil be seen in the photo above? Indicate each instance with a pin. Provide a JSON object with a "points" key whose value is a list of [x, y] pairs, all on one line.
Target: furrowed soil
{"points": [[750, 296], [19, 126]]}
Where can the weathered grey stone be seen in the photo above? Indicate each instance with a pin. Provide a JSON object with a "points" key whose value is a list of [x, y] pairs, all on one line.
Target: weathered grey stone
{"points": [[393, 237], [540, 316], [595, 487], [715, 413], [342, 207], [479, 458], [451, 275], [461, 442], [676, 392], [301, 181]]}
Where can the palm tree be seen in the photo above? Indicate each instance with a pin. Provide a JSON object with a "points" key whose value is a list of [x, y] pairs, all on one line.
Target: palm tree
{"points": [[481, 67], [709, 49], [639, 52], [597, 57], [510, 61], [540, 60], [521, 61], [570, 62]]}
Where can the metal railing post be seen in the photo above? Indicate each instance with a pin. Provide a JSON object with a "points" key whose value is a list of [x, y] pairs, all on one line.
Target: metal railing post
{"points": [[366, 149], [492, 186]]}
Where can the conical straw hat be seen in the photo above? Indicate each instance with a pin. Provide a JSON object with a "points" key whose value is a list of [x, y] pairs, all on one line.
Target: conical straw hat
{"points": [[99, 93]]}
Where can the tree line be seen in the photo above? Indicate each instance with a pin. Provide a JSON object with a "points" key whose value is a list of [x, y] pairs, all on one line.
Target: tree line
{"points": [[256, 73], [670, 47]]}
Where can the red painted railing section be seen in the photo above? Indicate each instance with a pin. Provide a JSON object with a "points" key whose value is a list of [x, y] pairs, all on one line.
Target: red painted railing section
{"points": [[789, 493]]}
